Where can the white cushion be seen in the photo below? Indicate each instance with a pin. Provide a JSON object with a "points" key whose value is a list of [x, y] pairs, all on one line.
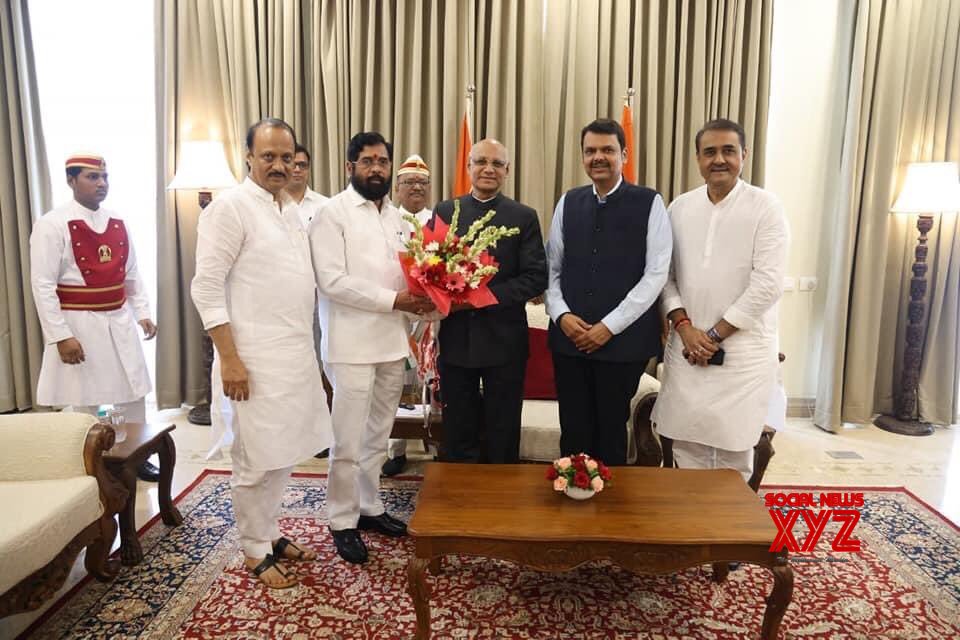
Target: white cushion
{"points": [[537, 317], [43, 446], [39, 518], [540, 425]]}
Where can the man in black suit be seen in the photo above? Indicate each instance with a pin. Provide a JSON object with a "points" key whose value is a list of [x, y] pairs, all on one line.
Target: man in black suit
{"points": [[489, 345]]}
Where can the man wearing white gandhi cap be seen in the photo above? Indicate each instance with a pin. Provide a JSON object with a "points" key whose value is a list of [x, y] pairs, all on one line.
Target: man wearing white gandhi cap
{"points": [[413, 194], [90, 299]]}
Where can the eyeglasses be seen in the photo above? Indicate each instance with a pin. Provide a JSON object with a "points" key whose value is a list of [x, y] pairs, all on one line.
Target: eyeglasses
{"points": [[483, 163], [366, 163], [303, 166], [415, 183]]}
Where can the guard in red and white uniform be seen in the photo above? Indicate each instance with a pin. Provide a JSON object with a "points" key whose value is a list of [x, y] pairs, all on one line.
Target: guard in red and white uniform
{"points": [[90, 298]]}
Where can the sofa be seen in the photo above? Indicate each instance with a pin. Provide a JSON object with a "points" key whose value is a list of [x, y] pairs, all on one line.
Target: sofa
{"points": [[56, 498], [540, 420]]}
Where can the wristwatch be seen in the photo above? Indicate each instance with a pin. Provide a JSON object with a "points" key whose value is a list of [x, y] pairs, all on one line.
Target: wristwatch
{"points": [[713, 335]]}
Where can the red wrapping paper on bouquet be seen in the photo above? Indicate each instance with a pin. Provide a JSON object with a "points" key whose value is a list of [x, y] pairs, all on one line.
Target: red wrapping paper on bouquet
{"points": [[443, 288]]}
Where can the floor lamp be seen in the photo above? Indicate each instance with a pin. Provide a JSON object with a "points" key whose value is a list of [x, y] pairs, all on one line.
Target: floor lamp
{"points": [[203, 168], [930, 188]]}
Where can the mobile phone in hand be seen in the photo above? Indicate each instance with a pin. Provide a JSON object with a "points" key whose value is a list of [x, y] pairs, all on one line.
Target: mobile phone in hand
{"points": [[717, 358]]}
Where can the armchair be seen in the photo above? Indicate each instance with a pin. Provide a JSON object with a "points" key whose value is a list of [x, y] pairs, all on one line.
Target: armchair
{"points": [[56, 498]]}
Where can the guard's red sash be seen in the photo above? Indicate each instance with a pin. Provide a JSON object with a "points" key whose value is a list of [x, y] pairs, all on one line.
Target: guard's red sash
{"points": [[102, 259]]}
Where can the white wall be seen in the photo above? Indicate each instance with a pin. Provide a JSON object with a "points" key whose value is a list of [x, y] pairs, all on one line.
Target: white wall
{"points": [[802, 163]]}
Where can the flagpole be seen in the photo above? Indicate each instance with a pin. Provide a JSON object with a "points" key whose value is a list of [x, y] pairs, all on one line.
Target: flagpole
{"points": [[628, 98], [471, 91]]}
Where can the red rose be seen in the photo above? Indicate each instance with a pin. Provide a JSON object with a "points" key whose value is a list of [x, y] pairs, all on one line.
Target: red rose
{"points": [[581, 479], [604, 471], [552, 473]]}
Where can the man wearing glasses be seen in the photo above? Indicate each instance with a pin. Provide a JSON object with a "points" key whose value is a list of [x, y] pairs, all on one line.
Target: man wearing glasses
{"points": [[413, 193], [362, 293], [487, 348], [299, 189]]}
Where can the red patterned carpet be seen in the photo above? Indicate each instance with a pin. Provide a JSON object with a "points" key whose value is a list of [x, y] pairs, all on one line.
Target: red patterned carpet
{"points": [[905, 584]]}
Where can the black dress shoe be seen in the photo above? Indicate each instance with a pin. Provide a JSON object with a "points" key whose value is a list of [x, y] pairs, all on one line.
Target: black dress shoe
{"points": [[350, 545], [393, 466], [384, 523], [148, 472]]}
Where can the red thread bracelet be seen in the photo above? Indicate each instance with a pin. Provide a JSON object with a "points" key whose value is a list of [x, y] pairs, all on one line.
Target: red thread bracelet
{"points": [[679, 323]]}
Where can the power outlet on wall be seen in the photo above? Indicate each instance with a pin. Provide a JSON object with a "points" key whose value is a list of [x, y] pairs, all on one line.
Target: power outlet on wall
{"points": [[789, 283], [808, 283]]}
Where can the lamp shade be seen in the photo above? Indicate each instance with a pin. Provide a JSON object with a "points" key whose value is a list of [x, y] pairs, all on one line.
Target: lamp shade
{"points": [[202, 166], [930, 187]]}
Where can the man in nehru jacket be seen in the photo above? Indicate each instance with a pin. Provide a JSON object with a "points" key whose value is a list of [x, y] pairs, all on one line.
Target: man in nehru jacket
{"points": [[609, 253], [356, 239], [490, 345], [255, 293], [90, 299], [730, 243], [413, 194]]}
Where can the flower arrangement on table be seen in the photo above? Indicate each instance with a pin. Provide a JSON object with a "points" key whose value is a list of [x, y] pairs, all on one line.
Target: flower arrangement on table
{"points": [[450, 269], [579, 472]]}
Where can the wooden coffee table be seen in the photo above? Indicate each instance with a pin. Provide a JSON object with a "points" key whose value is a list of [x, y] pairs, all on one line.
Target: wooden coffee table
{"points": [[649, 521], [122, 461]]}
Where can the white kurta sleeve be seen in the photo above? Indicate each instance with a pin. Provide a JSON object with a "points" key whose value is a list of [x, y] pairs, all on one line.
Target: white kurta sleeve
{"points": [[330, 268], [46, 250], [671, 299], [769, 267], [133, 283], [659, 247], [556, 306], [219, 239]]}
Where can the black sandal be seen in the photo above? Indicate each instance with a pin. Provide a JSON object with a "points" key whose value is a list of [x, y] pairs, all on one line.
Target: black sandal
{"points": [[271, 562], [283, 543]]}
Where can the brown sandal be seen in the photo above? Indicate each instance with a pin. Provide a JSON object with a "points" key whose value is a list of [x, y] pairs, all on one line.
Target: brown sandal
{"points": [[271, 562], [283, 544]]}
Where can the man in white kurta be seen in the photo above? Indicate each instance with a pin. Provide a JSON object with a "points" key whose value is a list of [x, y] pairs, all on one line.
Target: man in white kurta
{"points": [[90, 298], [413, 193], [309, 203], [355, 239], [254, 290], [730, 243]]}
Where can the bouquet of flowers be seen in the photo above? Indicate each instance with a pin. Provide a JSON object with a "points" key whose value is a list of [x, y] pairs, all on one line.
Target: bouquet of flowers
{"points": [[579, 472], [451, 269]]}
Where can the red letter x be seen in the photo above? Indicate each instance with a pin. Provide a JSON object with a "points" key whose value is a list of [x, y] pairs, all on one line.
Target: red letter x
{"points": [[784, 530]]}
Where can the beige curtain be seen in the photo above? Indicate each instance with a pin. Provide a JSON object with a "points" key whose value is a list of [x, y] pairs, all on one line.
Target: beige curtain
{"points": [[903, 105], [222, 65], [24, 195], [333, 69], [689, 61]]}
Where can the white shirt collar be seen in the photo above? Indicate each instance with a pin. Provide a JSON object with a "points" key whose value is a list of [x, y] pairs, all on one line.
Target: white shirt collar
{"points": [[727, 199], [262, 194], [615, 187], [358, 200], [482, 201]]}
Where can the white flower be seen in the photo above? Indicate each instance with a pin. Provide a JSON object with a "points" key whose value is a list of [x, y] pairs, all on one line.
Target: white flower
{"points": [[432, 246]]}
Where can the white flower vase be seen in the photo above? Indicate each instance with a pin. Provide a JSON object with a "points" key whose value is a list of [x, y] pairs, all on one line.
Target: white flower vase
{"points": [[578, 494]]}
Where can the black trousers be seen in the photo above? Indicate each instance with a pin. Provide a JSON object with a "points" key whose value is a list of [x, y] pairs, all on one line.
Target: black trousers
{"points": [[482, 426], [594, 398]]}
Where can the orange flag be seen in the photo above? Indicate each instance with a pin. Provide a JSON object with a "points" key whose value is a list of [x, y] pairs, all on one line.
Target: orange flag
{"points": [[630, 166], [461, 177]]}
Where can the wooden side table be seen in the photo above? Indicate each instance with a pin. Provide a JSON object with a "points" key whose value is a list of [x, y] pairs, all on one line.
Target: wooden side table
{"points": [[122, 461]]}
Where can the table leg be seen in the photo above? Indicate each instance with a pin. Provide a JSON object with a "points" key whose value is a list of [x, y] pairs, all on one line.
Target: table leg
{"points": [[130, 551], [720, 571], [435, 565], [779, 599], [419, 590], [167, 453]]}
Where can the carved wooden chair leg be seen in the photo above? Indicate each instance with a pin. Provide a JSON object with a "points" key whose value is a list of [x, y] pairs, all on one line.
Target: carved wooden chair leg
{"points": [[649, 453], [762, 453]]}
